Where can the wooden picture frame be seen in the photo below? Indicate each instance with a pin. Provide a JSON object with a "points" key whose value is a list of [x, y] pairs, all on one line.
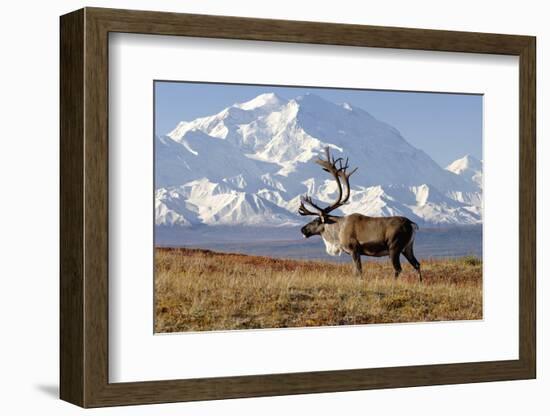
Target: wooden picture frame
{"points": [[84, 207]]}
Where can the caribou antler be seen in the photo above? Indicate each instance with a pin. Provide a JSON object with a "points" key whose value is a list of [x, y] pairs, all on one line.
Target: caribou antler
{"points": [[338, 169], [302, 210]]}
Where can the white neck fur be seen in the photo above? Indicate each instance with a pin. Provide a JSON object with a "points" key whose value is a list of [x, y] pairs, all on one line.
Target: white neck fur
{"points": [[332, 240], [332, 247]]}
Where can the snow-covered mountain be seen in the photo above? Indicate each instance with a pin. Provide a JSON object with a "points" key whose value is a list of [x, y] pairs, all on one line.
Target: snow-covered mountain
{"points": [[250, 163], [469, 168]]}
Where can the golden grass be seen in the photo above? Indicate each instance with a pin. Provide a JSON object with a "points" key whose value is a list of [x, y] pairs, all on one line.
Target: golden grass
{"points": [[200, 290]]}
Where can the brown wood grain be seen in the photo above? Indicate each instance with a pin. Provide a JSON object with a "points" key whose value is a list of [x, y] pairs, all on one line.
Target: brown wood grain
{"points": [[527, 207], [84, 207], [71, 213]]}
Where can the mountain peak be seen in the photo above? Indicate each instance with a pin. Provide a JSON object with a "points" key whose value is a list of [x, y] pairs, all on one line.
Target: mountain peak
{"points": [[467, 162], [470, 159], [269, 100], [468, 167]]}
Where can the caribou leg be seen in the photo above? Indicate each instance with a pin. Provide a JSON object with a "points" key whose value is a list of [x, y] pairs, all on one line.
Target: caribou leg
{"points": [[356, 256], [394, 256], [409, 255]]}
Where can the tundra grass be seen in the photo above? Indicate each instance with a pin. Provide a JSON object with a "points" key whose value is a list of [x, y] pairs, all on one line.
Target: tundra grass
{"points": [[201, 290]]}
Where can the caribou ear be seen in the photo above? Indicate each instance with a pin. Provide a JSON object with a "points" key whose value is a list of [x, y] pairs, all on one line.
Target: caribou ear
{"points": [[322, 219]]}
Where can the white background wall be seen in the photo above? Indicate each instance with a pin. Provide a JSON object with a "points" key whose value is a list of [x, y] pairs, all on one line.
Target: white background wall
{"points": [[29, 158]]}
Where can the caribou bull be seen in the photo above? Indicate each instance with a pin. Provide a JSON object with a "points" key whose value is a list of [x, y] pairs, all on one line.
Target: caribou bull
{"points": [[358, 234]]}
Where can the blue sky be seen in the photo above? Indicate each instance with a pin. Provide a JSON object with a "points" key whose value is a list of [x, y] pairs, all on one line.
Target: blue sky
{"points": [[446, 126]]}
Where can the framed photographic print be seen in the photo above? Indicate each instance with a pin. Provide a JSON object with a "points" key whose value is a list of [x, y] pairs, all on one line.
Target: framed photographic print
{"points": [[255, 207]]}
